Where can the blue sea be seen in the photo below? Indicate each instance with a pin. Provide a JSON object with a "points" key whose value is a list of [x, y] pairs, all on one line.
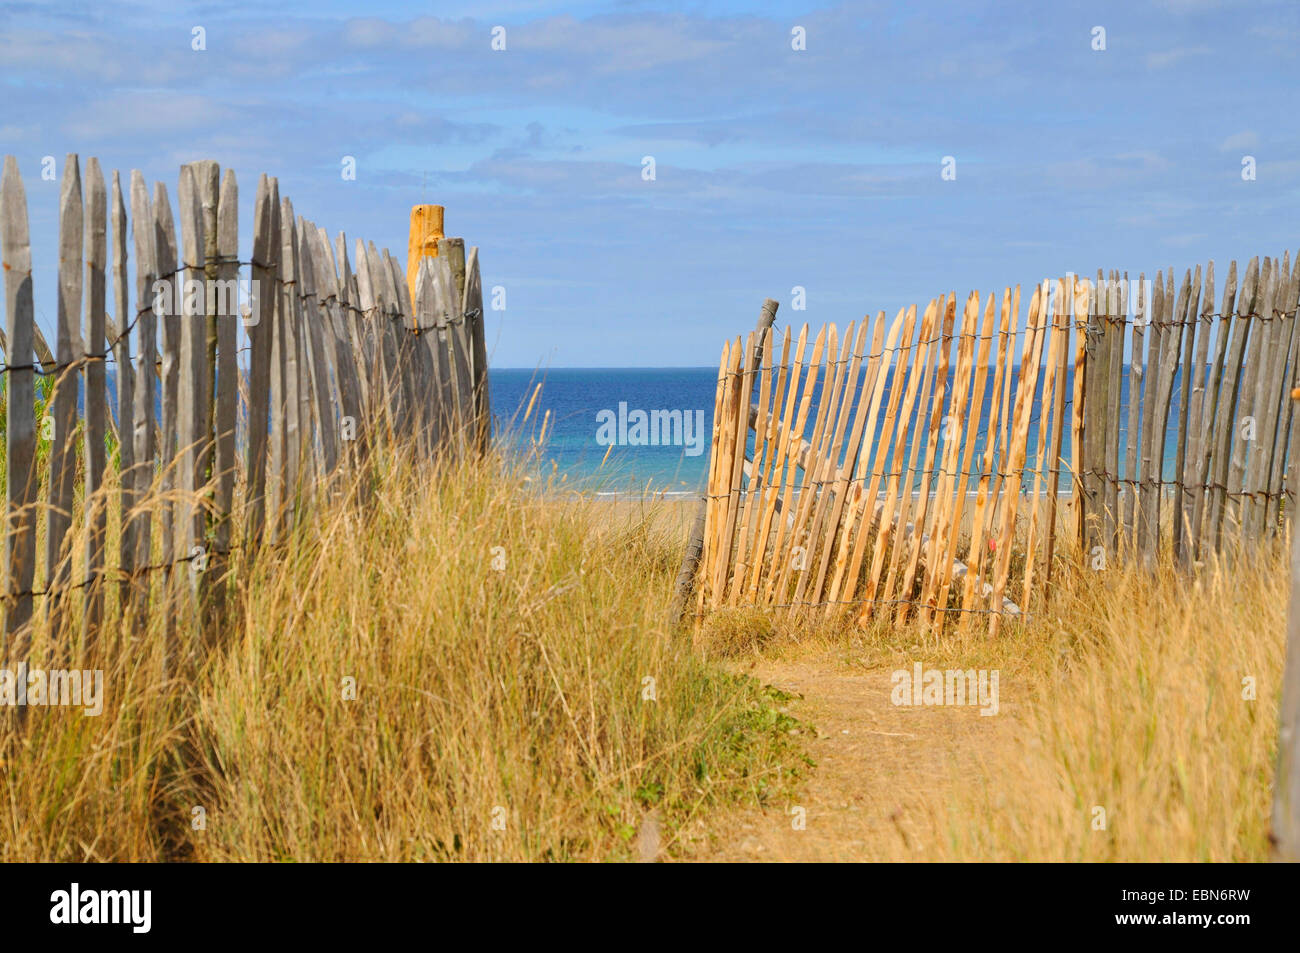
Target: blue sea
{"points": [[578, 453], [575, 456]]}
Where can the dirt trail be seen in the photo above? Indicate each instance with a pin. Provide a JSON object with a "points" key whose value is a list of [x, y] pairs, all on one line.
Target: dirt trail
{"points": [[871, 795]]}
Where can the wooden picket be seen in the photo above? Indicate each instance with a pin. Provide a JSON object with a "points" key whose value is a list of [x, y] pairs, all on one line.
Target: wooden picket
{"points": [[21, 483], [336, 361], [61, 414], [125, 382]]}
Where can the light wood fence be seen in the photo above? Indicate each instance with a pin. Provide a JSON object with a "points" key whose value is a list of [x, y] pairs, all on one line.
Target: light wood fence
{"points": [[942, 463]]}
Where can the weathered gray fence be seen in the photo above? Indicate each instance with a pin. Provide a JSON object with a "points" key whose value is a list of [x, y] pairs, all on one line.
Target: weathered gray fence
{"points": [[1209, 435], [338, 359]]}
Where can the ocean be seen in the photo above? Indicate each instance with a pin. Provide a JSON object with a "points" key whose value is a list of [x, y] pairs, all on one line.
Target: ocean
{"points": [[591, 438], [576, 455]]}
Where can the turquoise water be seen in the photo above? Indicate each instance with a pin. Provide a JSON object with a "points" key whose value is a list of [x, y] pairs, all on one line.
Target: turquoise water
{"points": [[592, 408], [576, 454], [576, 397]]}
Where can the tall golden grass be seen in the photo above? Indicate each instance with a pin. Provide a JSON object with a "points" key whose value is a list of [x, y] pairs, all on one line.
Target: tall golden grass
{"points": [[383, 691], [1150, 696], [1153, 697], [465, 668]]}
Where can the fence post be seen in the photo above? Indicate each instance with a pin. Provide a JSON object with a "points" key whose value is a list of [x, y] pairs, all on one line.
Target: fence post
{"points": [[422, 241], [695, 543]]}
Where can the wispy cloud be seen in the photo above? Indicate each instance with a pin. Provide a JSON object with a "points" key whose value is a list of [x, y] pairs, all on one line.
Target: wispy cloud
{"points": [[1164, 59], [1245, 139], [774, 167]]}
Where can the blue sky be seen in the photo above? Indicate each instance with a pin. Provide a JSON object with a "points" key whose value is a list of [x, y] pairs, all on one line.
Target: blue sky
{"points": [[774, 167]]}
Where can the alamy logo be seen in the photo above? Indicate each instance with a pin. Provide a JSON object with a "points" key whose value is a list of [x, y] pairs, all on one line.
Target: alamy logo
{"points": [[222, 297], [74, 906], [951, 686], [655, 428], [23, 686]]}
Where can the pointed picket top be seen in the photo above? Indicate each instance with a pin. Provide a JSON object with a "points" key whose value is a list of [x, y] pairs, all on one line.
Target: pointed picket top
{"points": [[120, 317], [327, 278], [1293, 286], [273, 201], [393, 298], [142, 231], [423, 295], [345, 270], [228, 218], [472, 278], [97, 203], [365, 288], [17, 255], [288, 241], [378, 281], [261, 299], [189, 203], [306, 269], [262, 221], [72, 236], [166, 249], [401, 290], [43, 352]]}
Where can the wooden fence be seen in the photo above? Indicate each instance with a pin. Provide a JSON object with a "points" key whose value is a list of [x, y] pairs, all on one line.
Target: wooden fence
{"points": [[928, 483], [1211, 389], [337, 360]]}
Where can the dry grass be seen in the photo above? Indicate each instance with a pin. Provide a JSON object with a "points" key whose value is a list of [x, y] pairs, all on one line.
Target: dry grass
{"points": [[1135, 703], [1126, 695], [536, 712], [501, 714]]}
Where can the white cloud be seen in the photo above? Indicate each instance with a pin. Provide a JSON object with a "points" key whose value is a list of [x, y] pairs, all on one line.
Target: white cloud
{"points": [[1167, 58], [1240, 140]]}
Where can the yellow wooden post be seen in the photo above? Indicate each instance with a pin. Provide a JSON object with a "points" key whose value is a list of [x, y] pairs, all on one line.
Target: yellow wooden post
{"points": [[426, 230]]}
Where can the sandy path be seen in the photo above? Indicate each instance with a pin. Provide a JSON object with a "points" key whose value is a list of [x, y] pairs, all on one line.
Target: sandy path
{"points": [[871, 795]]}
